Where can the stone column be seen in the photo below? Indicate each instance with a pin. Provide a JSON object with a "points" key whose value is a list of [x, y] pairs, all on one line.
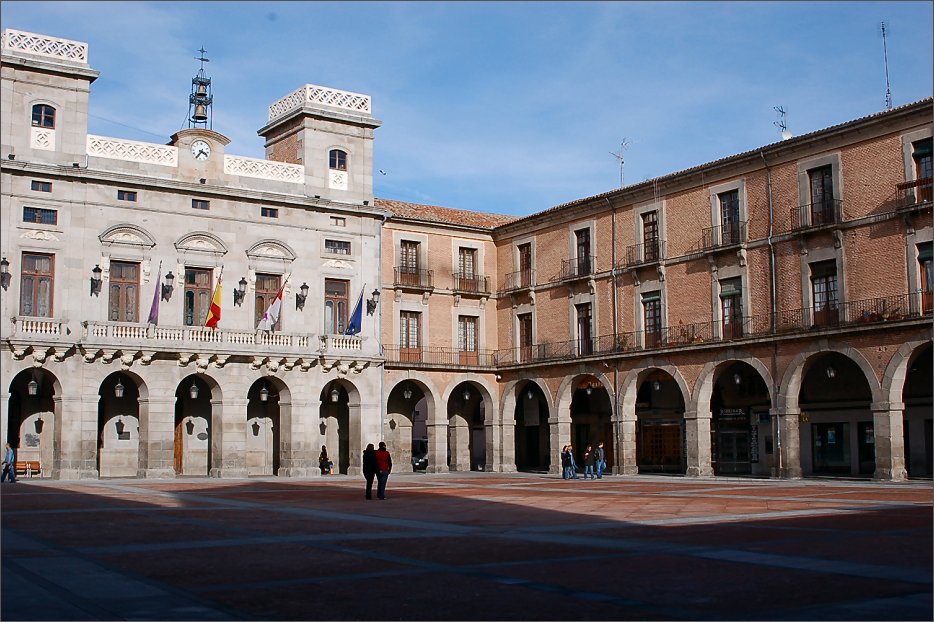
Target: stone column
{"points": [[460, 445], [888, 427], [560, 436], [788, 442], [626, 449], [157, 437], [298, 423], [228, 438], [697, 433], [437, 447], [76, 436], [506, 452]]}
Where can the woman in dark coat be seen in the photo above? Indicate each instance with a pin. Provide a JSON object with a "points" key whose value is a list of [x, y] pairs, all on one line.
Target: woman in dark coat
{"points": [[369, 468]]}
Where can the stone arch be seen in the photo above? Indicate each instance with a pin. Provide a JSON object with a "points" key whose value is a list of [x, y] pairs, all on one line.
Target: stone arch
{"points": [[510, 437], [126, 234], [33, 424], [341, 425], [787, 398], [893, 379], [468, 450], [703, 387], [269, 248], [201, 242], [120, 423], [199, 446]]}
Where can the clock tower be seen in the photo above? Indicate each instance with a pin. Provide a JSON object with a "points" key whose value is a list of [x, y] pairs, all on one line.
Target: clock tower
{"points": [[201, 149]]}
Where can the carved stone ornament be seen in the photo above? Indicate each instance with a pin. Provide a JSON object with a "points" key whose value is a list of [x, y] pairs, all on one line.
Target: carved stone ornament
{"points": [[201, 242], [338, 264], [43, 236], [127, 235], [271, 249]]}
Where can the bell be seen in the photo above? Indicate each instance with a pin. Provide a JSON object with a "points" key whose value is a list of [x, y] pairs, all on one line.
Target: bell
{"points": [[200, 113], [202, 90]]}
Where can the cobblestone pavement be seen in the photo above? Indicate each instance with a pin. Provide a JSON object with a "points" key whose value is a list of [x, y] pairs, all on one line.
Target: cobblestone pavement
{"points": [[473, 546]]}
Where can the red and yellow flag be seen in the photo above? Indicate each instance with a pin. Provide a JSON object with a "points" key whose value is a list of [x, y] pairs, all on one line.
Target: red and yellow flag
{"points": [[214, 315]]}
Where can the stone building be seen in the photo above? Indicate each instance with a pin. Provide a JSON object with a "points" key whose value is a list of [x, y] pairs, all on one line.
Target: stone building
{"points": [[767, 314]]}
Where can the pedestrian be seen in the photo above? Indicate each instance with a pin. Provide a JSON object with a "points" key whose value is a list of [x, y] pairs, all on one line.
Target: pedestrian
{"points": [[324, 463], [601, 459], [9, 464], [573, 462], [369, 468], [590, 460], [565, 463], [383, 467]]}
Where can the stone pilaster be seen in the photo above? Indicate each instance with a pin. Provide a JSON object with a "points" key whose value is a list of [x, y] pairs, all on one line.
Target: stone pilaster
{"points": [[228, 438], [437, 447], [626, 449], [296, 450], [697, 443], [788, 443], [888, 427], [157, 437], [76, 435]]}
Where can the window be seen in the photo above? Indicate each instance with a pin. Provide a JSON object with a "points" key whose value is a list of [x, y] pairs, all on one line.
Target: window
{"points": [[584, 329], [269, 212], [127, 195], [338, 221], [824, 292], [267, 288], [729, 217], [731, 305], [925, 254], [821, 188], [583, 251], [467, 339], [410, 336], [525, 336], [40, 215], [43, 115], [36, 283], [41, 186], [408, 263], [198, 295], [650, 236], [652, 318], [338, 247], [525, 265], [200, 204], [124, 292], [337, 160], [921, 154], [466, 278], [335, 306]]}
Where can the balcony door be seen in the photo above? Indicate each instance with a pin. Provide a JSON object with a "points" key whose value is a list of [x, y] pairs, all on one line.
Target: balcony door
{"points": [[821, 181], [584, 329], [927, 276], [650, 236], [652, 318], [335, 306], [409, 263], [467, 269], [583, 252], [410, 336], [525, 265], [467, 340], [729, 217], [123, 303], [38, 274], [197, 295], [824, 293], [921, 155], [731, 306], [267, 288], [525, 337]]}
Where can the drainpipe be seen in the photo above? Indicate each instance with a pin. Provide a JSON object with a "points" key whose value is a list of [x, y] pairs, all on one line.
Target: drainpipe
{"points": [[613, 274], [379, 325], [774, 296]]}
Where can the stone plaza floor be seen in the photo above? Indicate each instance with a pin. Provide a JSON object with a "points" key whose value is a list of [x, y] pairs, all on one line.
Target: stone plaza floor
{"points": [[468, 546]]}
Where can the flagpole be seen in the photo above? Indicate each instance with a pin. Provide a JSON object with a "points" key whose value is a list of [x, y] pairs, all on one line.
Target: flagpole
{"points": [[213, 293]]}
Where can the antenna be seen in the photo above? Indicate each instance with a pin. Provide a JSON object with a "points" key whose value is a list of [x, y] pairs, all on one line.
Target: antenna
{"points": [[780, 124], [621, 157], [885, 55]]}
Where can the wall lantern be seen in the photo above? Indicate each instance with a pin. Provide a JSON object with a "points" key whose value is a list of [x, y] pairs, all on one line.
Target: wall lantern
{"points": [[831, 372], [118, 389], [96, 280], [168, 287], [657, 386], [530, 394], [32, 387], [737, 379], [371, 302], [466, 395], [240, 292], [120, 427], [4, 273], [407, 393], [301, 296], [39, 424], [193, 390], [335, 394], [264, 394]]}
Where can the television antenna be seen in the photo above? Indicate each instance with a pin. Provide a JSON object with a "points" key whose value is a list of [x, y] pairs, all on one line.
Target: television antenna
{"points": [[780, 124], [621, 157], [885, 56]]}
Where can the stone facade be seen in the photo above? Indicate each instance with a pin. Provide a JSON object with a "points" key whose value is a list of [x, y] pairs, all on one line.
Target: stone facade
{"points": [[767, 314]]}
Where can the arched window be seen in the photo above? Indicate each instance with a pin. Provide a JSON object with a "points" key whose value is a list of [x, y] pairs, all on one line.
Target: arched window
{"points": [[338, 160], [43, 115]]}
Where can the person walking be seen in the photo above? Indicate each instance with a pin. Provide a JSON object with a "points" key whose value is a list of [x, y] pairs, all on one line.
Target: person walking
{"points": [[600, 453], [9, 464], [573, 462], [369, 468], [324, 463], [565, 463], [590, 460], [383, 467]]}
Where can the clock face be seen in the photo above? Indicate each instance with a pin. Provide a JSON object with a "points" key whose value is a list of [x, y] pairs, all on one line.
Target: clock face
{"points": [[200, 150]]}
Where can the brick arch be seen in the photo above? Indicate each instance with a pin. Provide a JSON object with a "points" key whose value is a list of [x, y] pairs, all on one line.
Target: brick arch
{"points": [[790, 389], [703, 387], [893, 380]]}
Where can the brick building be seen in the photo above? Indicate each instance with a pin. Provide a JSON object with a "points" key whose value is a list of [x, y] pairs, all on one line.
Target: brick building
{"points": [[764, 314]]}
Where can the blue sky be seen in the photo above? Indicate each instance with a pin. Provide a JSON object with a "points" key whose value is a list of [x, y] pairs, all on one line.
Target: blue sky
{"points": [[504, 107]]}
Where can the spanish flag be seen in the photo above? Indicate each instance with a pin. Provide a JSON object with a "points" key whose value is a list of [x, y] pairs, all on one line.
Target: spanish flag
{"points": [[214, 315]]}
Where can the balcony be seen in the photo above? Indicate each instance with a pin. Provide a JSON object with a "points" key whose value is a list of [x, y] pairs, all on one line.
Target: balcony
{"points": [[578, 268], [413, 278], [723, 237], [519, 280], [468, 284], [645, 254], [914, 195], [817, 215], [440, 357]]}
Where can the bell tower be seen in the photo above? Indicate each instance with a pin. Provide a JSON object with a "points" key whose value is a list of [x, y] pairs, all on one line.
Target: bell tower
{"points": [[200, 100]]}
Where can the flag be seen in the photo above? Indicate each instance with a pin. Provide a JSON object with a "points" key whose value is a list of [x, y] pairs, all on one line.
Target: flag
{"points": [[355, 325], [156, 296], [214, 315], [272, 313]]}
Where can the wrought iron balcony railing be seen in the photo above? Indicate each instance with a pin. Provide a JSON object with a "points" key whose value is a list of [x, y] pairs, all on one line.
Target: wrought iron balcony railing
{"points": [[649, 253], [413, 278], [915, 194], [719, 237], [466, 283], [521, 279], [434, 356], [578, 268], [815, 215]]}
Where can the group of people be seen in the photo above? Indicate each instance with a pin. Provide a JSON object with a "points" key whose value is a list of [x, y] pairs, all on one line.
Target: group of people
{"points": [[377, 463], [594, 462]]}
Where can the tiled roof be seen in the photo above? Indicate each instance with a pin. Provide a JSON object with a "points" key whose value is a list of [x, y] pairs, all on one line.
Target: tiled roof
{"points": [[435, 213]]}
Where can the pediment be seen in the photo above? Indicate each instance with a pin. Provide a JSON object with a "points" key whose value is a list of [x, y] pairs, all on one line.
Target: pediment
{"points": [[271, 249], [127, 235], [201, 242]]}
